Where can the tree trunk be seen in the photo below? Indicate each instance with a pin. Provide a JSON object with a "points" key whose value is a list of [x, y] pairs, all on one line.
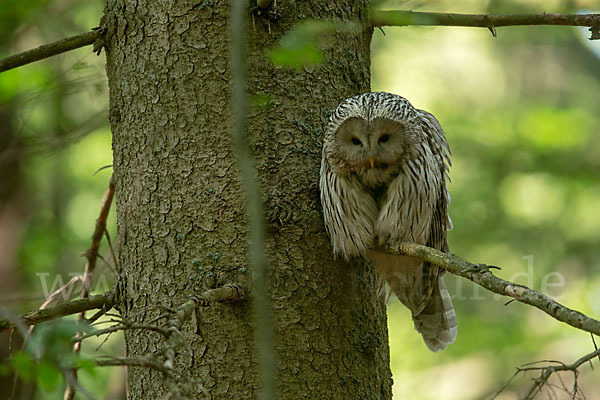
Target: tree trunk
{"points": [[181, 221]]}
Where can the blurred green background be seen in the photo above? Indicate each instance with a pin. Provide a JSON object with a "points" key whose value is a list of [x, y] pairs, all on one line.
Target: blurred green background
{"points": [[521, 113], [54, 135]]}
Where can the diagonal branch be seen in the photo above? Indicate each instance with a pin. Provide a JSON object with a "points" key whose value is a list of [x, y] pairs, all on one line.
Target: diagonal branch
{"points": [[490, 21], [122, 327], [50, 49], [100, 301], [92, 255], [481, 275]]}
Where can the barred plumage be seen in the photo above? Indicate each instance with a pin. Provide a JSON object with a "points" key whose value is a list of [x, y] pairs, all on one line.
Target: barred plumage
{"points": [[383, 181]]}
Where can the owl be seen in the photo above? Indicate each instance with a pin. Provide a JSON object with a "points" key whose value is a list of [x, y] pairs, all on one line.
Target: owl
{"points": [[383, 182]]}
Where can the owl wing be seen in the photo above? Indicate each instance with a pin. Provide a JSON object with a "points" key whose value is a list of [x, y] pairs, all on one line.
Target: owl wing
{"points": [[348, 210], [440, 222], [437, 321], [436, 139]]}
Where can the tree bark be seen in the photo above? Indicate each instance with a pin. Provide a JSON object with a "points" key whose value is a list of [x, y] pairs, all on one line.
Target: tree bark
{"points": [[181, 220]]}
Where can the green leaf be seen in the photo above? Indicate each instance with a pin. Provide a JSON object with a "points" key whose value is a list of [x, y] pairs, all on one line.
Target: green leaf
{"points": [[297, 53], [48, 376], [53, 339], [302, 46]]}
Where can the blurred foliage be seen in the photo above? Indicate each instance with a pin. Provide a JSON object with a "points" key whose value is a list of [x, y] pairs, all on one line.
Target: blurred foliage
{"points": [[49, 358], [520, 112], [54, 135], [303, 45], [299, 47], [16, 13]]}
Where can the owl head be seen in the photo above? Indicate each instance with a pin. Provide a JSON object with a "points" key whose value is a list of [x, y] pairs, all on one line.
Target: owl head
{"points": [[371, 135]]}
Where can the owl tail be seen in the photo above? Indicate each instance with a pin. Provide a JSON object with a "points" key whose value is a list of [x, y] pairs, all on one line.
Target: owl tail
{"points": [[437, 321], [434, 316]]}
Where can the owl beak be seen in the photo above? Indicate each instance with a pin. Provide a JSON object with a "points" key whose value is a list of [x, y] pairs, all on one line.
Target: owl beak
{"points": [[372, 162]]}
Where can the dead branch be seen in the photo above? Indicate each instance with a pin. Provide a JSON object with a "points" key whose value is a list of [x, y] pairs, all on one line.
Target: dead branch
{"points": [[92, 253], [547, 370]]}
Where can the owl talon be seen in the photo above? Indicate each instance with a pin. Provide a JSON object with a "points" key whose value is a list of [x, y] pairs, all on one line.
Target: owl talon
{"points": [[482, 268], [384, 241]]}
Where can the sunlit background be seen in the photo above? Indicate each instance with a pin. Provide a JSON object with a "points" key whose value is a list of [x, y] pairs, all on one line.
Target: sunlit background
{"points": [[520, 111]]}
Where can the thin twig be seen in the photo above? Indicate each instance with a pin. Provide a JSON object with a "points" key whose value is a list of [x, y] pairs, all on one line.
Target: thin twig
{"points": [[547, 371], [481, 275], [170, 374], [12, 321], [542, 361], [92, 253], [517, 372], [53, 296], [564, 367], [136, 362], [124, 327], [112, 251], [49, 50], [95, 317], [595, 347], [406, 18], [110, 267]]}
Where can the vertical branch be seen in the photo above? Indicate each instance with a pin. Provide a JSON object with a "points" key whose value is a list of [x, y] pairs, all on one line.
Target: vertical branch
{"points": [[256, 254], [91, 255]]}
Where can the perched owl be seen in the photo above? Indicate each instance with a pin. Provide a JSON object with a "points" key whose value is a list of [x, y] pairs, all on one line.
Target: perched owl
{"points": [[383, 181]]}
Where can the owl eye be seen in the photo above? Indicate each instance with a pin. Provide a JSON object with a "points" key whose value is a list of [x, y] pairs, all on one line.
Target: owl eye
{"points": [[356, 141], [384, 138]]}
